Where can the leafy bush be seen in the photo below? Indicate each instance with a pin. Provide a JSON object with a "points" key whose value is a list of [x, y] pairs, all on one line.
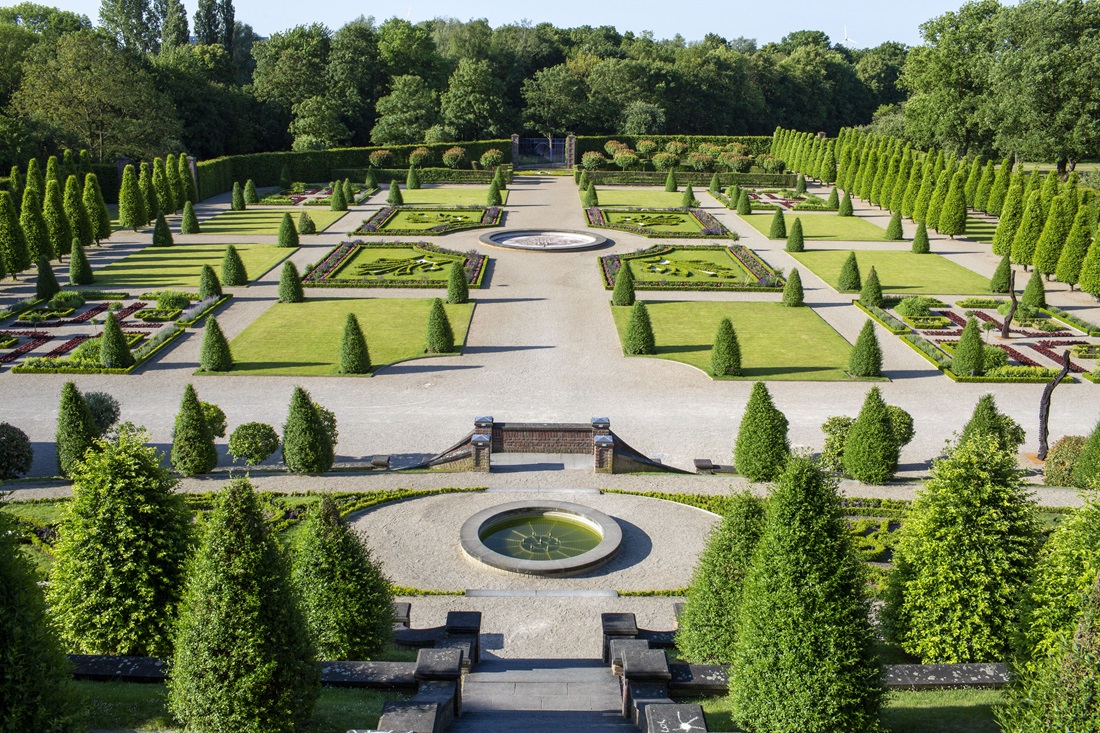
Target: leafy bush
{"points": [[762, 446], [454, 157], [307, 445], [346, 599], [963, 558], [916, 306], [419, 157], [1086, 470], [104, 410], [215, 418], [492, 158], [380, 158], [593, 160], [253, 442], [708, 625], [243, 660], [172, 300], [1061, 460], [16, 454], [836, 431]]}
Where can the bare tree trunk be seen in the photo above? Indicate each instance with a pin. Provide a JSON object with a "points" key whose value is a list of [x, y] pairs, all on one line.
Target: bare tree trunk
{"points": [[1044, 405], [1012, 308]]}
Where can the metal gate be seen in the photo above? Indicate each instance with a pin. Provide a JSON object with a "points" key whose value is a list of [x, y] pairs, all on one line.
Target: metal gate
{"points": [[541, 152]]}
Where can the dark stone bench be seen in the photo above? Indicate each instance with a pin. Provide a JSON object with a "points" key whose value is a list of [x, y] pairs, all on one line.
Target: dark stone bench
{"points": [[664, 718], [945, 676], [410, 717], [401, 612], [625, 626], [462, 630], [375, 675], [698, 680], [637, 696], [98, 668]]}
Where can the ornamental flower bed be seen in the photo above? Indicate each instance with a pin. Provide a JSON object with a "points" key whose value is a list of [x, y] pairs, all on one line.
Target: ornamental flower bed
{"points": [[709, 227], [1047, 349], [37, 338], [767, 280], [387, 220], [327, 272], [149, 346]]}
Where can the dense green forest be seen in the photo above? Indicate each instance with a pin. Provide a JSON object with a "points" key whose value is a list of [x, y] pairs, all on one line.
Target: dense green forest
{"points": [[147, 80]]}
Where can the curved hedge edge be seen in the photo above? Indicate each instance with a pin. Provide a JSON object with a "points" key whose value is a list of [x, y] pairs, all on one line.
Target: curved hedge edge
{"points": [[22, 368], [892, 329]]}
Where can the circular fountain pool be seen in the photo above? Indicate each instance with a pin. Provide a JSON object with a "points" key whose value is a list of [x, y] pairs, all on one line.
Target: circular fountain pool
{"points": [[538, 240], [552, 538]]}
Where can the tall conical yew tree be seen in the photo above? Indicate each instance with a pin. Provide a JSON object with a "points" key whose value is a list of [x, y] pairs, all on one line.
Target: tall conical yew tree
{"points": [[894, 230], [988, 420], [969, 357], [793, 296], [670, 182], [1002, 277], [290, 284], [1035, 293], [243, 660], [1089, 280], [778, 227], [45, 284], [871, 449], [165, 200], [924, 193], [131, 205], [707, 630], [762, 447], [100, 219], [251, 196], [412, 180], [939, 198], [354, 356], [187, 180], [744, 204], [921, 245], [307, 447], [13, 243], [493, 198], [1012, 215], [639, 340], [1077, 246], [76, 430], [215, 354], [623, 294], [148, 193], [80, 271], [193, 450], [209, 285], [440, 337], [80, 224], [999, 190], [804, 633], [34, 226], [395, 198], [795, 240], [866, 357], [845, 205], [57, 224], [162, 234], [725, 356], [1055, 232], [175, 184], [458, 286], [1031, 228]]}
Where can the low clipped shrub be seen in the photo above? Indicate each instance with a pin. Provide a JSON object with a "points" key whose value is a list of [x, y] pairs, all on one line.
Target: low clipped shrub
{"points": [[1062, 460], [793, 296], [725, 357], [16, 454], [441, 338], [233, 272], [762, 447], [253, 442], [623, 294], [306, 224], [639, 340]]}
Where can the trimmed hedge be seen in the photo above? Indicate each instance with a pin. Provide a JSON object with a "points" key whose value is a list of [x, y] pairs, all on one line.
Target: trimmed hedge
{"points": [[216, 176], [758, 144], [696, 178]]}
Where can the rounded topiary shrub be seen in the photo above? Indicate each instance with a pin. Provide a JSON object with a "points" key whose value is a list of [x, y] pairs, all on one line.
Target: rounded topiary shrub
{"points": [[253, 442], [639, 340], [104, 409], [762, 446], [306, 224], [16, 454]]}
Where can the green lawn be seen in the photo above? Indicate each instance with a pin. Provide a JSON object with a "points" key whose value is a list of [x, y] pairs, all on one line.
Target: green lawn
{"points": [[777, 343], [179, 266], [396, 263], [143, 707], [924, 711], [425, 219], [664, 222], [823, 226], [649, 198], [303, 339], [980, 230], [689, 266], [899, 272], [266, 221], [431, 195]]}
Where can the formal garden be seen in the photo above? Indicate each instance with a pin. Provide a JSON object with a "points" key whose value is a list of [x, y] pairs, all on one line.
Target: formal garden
{"points": [[898, 272]]}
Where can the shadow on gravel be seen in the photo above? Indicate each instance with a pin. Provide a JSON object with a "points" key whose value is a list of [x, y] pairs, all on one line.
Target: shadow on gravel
{"points": [[494, 301], [502, 349], [423, 368]]}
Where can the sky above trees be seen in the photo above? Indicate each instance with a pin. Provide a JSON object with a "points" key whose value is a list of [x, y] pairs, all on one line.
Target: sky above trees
{"points": [[868, 23]]}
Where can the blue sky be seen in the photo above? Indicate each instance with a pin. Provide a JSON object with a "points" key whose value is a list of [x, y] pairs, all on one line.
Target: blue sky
{"points": [[869, 22]]}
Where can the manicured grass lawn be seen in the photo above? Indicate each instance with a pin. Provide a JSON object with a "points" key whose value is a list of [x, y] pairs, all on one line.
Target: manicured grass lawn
{"points": [[925, 711], [667, 222], [899, 272], [689, 266], [776, 342], [180, 266], [144, 707], [980, 230], [650, 198], [823, 226], [396, 263], [266, 221], [303, 339], [428, 218], [431, 195]]}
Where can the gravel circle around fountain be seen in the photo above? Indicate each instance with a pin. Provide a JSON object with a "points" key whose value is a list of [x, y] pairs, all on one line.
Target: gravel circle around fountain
{"points": [[418, 543]]}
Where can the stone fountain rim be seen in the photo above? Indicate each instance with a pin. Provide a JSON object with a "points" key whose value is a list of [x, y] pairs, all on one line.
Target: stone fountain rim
{"points": [[491, 238]]}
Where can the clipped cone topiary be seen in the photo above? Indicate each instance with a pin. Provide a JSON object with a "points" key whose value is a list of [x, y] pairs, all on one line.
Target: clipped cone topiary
{"points": [[193, 450], [871, 292], [866, 357], [45, 284], [76, 429], [793, 297], [591, 198], [290, 284], [162, 235], [623, 294], [494, 197], [715, 184], [744, 204], [1076, 248], [458, 287], [850, 280], [920, 240], [215, 355], [1086, 470], [284, 177], [189, 224], [1035, 292], [354, 357], [441, 338], [969, 358], [395, 198], [288, 234], [687, 199], [795, 240], [639, 332], [871, 450], [762, 447], [498, 176], [1002, 277], [80, 271], [893, 231], [412, 180], [371, 181], [233, 272], [833, 202], [708, 625], [725, 357], [671, 186], [209, 285], [307, 447], [845, 205], [778, 228], [349, 192], [338, 201], [250, 195], [305, 224], [114, 349], [988, 420], [237, 201]]}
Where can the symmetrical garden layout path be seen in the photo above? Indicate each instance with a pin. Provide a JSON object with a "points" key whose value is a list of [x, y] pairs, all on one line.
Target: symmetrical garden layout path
{"points": [[542, 347]]}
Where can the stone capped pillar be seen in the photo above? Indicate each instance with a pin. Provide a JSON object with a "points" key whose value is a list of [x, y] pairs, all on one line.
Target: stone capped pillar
{"points": [[515, 150]]}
